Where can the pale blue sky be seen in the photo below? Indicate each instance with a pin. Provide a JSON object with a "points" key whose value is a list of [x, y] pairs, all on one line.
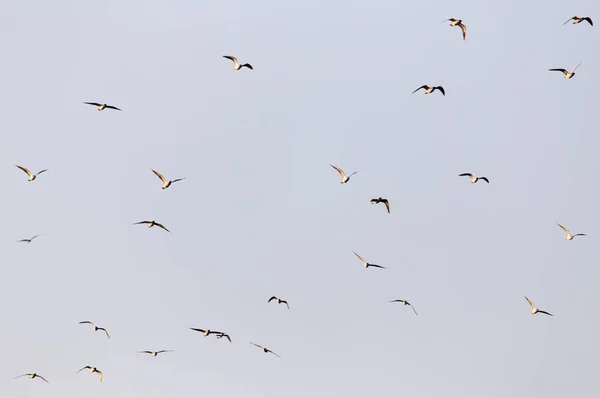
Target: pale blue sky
{"points": [[261, 213]]}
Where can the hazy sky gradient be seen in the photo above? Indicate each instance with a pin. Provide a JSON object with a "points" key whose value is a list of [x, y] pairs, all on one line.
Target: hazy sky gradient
{"points": [[261, 213]]}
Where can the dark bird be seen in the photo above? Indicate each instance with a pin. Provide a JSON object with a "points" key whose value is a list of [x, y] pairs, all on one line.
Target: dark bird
{"points": [[405, 303], [577, 20], [279, 301], [568, 75], [381, 200], [154, 353], [93, 370], [96, 328], [534, 310], [29, 240], [265, 350], [569, 236], [345, 178], [29, 173], [101, 107], [152, 224], [33, 376], [366, 264], [166, 183], [206, 332], [429, 90], [473, 178], [236, 64], [458, 22]]}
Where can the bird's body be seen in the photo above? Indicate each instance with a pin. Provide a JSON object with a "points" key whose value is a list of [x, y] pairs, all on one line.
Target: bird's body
{"points": [[154, 353], [29, 239], [458, 22], [265, 350], [152, 224], [102, 107], [221, 335], [429, 90], [366, 264], [568, 75], [93, 370], [381, 200], [405, 303], [534, 309], [166, 183], [473, 178], [33, 376], [569, 236], [236, 64], [96, 328], [345, 178], [279, 301], [29, 173], [577, 20]]}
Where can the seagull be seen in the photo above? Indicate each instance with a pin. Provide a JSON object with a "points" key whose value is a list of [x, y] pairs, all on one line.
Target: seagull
{"points": [[166, 184], [29, 173], [93, 370], [154, 353], [473, 178], [577, 20], [207, 331], [429, 90], [534, 310], [220, 336], [96, 328], [367, 265], [569, 236], [405, 303], [458, 22], [151, 224], [101, 107], [29, 240], [236, 64], [568, 75], [345, 178], [381, 200], [279, 301], [265, 350], [33, 376]]}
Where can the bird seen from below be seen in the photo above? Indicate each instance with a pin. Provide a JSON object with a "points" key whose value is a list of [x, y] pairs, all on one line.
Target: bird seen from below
{"points": [[33, 376], [93, 370], [166, 183], [279, 301], [152, 224], [366, 264], [96, 328], [381, 200], [345, 178], [577, 20], [568, 75], [473, 178], [458, 22], [29, 239], [405, 303], [569, 236], [154, 353], [429, 90], [534, 309], [265, 350], [29, 173], [236, 64], [102, 107]]}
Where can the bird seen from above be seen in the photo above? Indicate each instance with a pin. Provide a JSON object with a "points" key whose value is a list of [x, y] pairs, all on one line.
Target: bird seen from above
{"points": [[569, 236], [279, 301], [33, 376], [265, 350], [154, 353], [429, 90], [29, 239], [102, 107], [405, 303], [458, 22], [568, 75], [29, 173], [206, 332], [473, 178], [534, 309], [236, 64], [221, 335], [577, 20], [381, 200], [93, 370], [345, 178], [96, 328], [152, 224], [366, 264], [166, 183]]}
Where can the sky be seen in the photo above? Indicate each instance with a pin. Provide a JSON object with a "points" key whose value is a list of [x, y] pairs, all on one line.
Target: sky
{"points": [[261, 212]]}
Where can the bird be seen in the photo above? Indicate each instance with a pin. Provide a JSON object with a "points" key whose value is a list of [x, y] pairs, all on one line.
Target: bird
{"points": [[29, 240], [458, 22], [279, 301], [236, 64], [577, 20], [151, 224], [569, 236], [367, 265], [429, 90], [221, 335], [265, 350], [33, 376], [534, 310], [96, 328], [568, 75], [93, 370], [473, 178], [166, 184], [207, 331], [345, 178], [101, 107], [29, 173], [381, 200], [405, 303], [154, 353]]}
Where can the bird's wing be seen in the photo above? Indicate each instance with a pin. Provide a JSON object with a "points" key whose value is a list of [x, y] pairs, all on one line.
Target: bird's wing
{"points": [[571, 71], [234, 59], [376, 266], [161, 226], [398, 301], [26, 374], [198, 330], [161, 351], [423, 86], [464, 30], [589, 20], [90, 322], [374, 201], [286, 304], [178, 179], [442, 90], [228, 337], [272, 298], [42, 378], [40, 172], [387, 205], [259, 346], [578, 235], [530, 303], [142, 222], [145, 352], [216, 332], [484, 179], [33, 237], [85, 367], [105, 331], [93, 103], [465, 174], [558, 70], [413, 308], [273, 353], [544, 312], [339, 170], [569, 19], [359, 257], [564, 229], [162, 177], [101, 376], [112, 107], [248, 66], [352, 174], [25, 170]]}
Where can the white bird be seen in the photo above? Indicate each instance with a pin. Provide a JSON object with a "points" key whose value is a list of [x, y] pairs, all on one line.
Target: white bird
{"points": [[236, 64], [534, 310], [29, 173], [154, 353], [29, 239], [429, 90], [569, 236], [96, 328], [345, 178], [33, 376], [577, 20], [458, 22], [152, 224], [279, 301], [405, 303], [101, 107], [166, 183], [567, 74], [473, 178], [93, 370], [366, 264], [265, 350]]}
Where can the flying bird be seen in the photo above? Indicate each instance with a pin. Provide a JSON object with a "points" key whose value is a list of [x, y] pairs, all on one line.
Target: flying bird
{"points": [[381, 200], [29, 240], [458, 22], [166, 183], [236, 64], [367, 265], [96, 328], [473, 178], [221, 335], [568, 75], [29, 173], [93, 370], [279, 301], [154, 353], [265, 350], [345, 178], [569, 236], [151, 224], [405, 303], [577, 20], [429, 90], [101, 107], [206, 332], [534, 310], [33, 376]]}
